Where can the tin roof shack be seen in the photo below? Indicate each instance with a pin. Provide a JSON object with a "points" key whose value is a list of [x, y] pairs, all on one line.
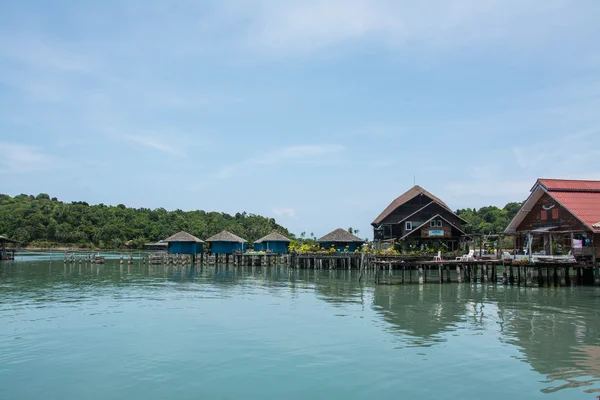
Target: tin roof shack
{"points": [[6, 252], [342, 241], [558, 217], [184, 243], [421, 217], [272, 243], [226, 243], [157, 246]]}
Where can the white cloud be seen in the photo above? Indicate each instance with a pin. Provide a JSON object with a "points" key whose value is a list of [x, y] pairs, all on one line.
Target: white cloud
{"points": [[283, 211], [17, 158], [155, 144], [305, 25], [305, 154]]}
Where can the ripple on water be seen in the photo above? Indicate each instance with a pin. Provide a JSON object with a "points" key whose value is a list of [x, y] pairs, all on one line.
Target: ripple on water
{"points": [[156, 332]]}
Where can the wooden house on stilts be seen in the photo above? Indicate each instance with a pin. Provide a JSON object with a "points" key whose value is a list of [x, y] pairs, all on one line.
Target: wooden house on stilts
{"points": [[272, 243], [421, 217], [7, 253], [342, 240], [226, 243], [184, 243], [560, 217]]}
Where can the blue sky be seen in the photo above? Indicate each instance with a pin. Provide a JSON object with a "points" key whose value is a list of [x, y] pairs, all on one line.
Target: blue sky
{"points": [[316, 113]]}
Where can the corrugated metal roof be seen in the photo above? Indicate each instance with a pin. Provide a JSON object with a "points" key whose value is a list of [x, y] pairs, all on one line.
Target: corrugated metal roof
{"points": [[584, 205], [570, 185]]}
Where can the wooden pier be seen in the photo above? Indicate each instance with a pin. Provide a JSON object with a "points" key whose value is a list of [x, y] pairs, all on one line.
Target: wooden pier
{"points": [[390, 270]]}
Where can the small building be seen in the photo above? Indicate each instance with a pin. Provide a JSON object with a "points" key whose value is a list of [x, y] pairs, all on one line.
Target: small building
{"points": [[558, 217], [184, 243], [226, 243], [422, 217], [7, 253], [273, 243], [161, 245], [342, 240]]}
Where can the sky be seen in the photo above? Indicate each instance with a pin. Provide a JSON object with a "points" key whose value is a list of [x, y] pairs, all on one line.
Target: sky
{"points": [[315, 113]]}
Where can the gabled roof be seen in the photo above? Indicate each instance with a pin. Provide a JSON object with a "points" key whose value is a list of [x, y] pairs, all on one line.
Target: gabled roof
{"points": [[225, 236], [5, 239], [580, 198], [423, 225], [273, 237], [405, 198], [566, 185], [183, 237], [340, 235]]}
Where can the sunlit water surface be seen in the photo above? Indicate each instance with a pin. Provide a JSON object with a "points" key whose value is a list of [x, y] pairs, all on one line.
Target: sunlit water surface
{"points": [[81, 331]]}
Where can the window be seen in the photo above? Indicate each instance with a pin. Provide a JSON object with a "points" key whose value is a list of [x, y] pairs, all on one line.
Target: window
{"points": [[555, 213], [544, 215], [433, 223], [439, 223], [408, 225]]}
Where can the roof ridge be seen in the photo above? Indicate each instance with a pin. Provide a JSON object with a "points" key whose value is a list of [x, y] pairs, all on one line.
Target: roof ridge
{"points": [[405, 198]]}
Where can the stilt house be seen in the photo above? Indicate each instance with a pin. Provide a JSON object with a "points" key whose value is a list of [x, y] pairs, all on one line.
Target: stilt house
{"points": [[226, 243], [558, 217], [420, 216], [184, 243], [6, 253], [273, 243], [342, 240]]}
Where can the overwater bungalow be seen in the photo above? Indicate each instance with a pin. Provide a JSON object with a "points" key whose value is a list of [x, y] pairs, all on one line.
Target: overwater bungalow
{"points": [[272, 243], [559, 217], [422, 217], [6, 253], [342, 240], [184, 243], [226, 243]]}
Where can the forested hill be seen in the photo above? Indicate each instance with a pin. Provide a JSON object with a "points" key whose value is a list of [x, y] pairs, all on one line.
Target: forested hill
{"points": [[38, 219], [489, 219]]}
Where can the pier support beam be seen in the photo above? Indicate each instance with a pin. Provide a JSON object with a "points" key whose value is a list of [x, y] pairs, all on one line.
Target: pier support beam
{"points": [[458, 275], [421, 278]]}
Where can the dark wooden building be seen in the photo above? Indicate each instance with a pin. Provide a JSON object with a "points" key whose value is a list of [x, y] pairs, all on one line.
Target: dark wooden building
{"points": [[560, 216], [419, 216]]}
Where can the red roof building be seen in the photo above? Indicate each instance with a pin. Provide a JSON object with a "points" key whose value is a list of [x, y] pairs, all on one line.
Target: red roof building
{"points": [[562, 206]]}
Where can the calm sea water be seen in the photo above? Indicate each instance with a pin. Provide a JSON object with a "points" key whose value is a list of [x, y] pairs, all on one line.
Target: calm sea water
{"points": [[156, 332]]}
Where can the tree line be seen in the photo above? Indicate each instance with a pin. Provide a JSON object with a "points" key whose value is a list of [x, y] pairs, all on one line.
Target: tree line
{"points": [[489, 219], [44, 221]]}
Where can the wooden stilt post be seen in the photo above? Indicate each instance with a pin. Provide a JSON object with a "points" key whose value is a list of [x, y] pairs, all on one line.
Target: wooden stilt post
{"points": [[458, 275], [421, 277]]}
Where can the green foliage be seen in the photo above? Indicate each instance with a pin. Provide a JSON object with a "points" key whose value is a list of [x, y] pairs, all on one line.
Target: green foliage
{"points": [[45, 220], [489, 220]]}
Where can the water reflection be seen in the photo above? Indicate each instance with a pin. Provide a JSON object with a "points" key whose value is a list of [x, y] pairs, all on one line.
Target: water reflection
{"points": [[555, 331]]}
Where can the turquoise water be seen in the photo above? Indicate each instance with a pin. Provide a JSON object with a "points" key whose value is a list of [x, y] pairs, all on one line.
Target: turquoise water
{"points": [[156, 332]]}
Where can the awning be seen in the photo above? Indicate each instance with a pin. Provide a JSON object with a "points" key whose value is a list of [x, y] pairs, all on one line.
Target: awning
{"points": [[546, 229]]}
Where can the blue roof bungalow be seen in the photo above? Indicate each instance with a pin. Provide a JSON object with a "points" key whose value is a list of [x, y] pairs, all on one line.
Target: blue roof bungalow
{"points": [[226, 243], [184, 243], [342, 240], [272, 243]]}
